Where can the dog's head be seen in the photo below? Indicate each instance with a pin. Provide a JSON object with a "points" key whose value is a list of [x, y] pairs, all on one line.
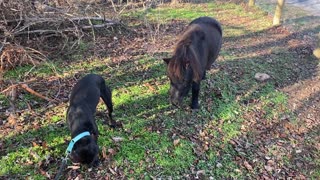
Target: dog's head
{"points": [[85, 151]]}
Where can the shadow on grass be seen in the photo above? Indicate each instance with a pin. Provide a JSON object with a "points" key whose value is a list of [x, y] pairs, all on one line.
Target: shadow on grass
{"points": [[234, 79], [32, 147]]}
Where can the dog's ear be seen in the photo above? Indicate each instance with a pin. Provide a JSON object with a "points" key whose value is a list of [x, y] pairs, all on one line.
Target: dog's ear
{"points": [[167, 60]]}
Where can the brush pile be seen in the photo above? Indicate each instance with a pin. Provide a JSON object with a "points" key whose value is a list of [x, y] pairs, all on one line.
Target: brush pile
{"points": [[32, 30]]}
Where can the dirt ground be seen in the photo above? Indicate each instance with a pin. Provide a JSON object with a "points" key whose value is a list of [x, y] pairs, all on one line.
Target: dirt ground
{"points": [[304, 94], [301, 16]]}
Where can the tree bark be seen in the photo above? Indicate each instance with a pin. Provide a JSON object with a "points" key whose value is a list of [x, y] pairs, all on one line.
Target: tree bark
{"points": [[175, 2], [251, 3], [316, 52], [278, 12]]}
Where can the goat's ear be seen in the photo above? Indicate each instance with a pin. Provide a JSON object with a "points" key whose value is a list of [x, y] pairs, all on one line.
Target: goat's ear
{"points": [[167, 60]]}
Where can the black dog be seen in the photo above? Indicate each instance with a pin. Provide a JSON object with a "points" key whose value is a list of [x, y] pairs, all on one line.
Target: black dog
{"points": [[84, 99]]}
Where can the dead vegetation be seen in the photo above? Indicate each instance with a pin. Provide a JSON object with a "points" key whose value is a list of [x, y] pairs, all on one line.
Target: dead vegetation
{"points": [[34, 31], [251, 155], [31, 31]]}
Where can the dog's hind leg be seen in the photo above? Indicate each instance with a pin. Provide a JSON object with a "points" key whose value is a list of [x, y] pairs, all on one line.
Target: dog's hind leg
{"points": [[106, 96]]}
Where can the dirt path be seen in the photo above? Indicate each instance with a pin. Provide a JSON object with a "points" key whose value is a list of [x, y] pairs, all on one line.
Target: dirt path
{"points": [[298, 14], [311, 7], [302, 17]]}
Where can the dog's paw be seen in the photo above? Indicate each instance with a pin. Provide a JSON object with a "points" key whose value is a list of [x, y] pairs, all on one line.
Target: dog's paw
{"points": [[95, 163]]}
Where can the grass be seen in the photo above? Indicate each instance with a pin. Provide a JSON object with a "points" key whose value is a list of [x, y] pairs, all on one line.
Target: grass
{"points": [[151, 125]]}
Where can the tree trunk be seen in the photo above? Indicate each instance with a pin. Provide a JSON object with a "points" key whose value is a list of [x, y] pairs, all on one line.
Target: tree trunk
{"points": [[175, 2], [316, 52], [251, 3], [278, 12]]}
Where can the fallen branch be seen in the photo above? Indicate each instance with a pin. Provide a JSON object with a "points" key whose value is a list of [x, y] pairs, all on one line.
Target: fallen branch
{"points": [[99, 25], [64, 30], [91, 18], [15, 85], [2, 44], [26, 87], [41, 20]]}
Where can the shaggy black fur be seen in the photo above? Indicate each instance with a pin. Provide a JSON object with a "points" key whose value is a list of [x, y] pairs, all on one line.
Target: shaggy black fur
{"points": [[84, 99]]}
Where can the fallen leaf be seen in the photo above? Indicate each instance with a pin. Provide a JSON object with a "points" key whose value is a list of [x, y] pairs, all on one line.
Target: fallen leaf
{"points": [[267, 157], [34, 154], [117, 139], [219, 165], [45, 173], [73, 167], [268, 168], [265, 177], [104, 153], [202, 134], [247, 165], [198, 151], [205, 147], [201, 174], [176, 142], [44, 145], [270, 163], [150, 87], [12, 119], [112, 151], [34, 144]]}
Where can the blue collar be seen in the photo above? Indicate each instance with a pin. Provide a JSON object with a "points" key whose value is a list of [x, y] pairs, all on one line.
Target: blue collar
{"points": [[74, 140]]}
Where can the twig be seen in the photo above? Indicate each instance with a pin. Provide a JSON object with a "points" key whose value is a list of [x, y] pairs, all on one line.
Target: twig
{"points": [[42, 31], [27, 73], [91, 18], [15, 85], [123, 9], [26, 87], [3, 44], [41, 20], [63, 30], [92, 29], [37, 52], [59, 90], [114, 7], [99, 25]]}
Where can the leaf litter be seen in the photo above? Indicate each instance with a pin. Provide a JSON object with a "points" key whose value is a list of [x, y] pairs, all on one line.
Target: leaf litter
{"points": [[270, 141]]}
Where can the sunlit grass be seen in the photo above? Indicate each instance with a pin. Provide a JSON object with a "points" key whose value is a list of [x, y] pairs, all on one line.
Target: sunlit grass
{"points": [[235, 19], [140, 96]]}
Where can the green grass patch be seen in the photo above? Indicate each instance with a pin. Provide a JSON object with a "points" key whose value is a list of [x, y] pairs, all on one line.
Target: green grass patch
{"points": [[140, 97]]}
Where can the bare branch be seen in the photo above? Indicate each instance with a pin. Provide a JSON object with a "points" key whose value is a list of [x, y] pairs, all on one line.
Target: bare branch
{"points": [[23, 85], [26, 87], [3, 44], [41, 20], [63, 30]]}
